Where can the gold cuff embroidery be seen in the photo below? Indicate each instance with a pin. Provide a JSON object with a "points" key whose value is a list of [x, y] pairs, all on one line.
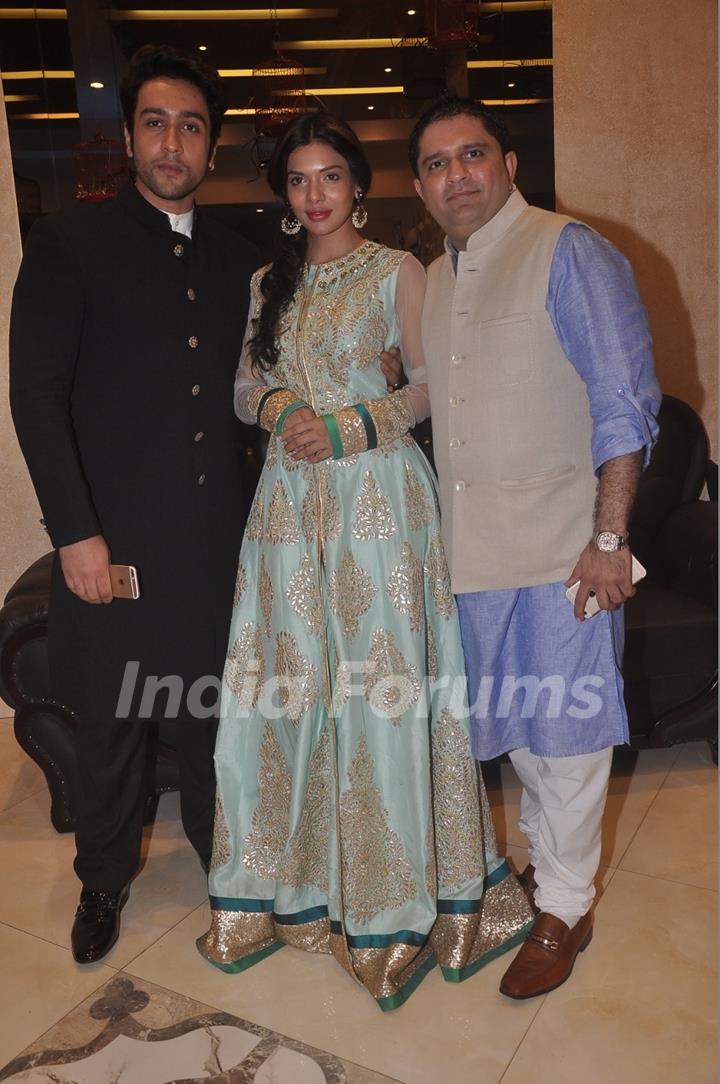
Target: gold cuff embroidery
{"points": [[254, 396], [391, 416], [352, 431], [274, 407]]}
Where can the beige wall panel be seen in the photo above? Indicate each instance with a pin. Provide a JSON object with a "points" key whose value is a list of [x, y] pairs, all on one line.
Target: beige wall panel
{"points": [[635, 156], [23, 539]]}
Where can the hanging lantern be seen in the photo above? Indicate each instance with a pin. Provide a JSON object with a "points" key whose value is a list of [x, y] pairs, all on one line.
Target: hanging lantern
{"points": [[278, 94], [449, 24], [101, 165]]}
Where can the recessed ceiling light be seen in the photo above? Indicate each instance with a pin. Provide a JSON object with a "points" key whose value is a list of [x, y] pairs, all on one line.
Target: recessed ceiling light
{"points": [[511, 84], [202, 48], [259, 210], [97, 85], [388, 69], [371, 107], [411, 11]]}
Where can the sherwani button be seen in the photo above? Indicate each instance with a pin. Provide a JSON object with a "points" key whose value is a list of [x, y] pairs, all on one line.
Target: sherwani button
{"points": [[454, 400], [198, 436], [195, 389], [179, 249], [193, 341], [457, 359], [201, 480], [191, 294], [460, 486], [455, 443]]}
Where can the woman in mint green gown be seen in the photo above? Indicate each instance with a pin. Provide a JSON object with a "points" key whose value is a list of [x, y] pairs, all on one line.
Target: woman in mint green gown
{"points": [[351, 818]]}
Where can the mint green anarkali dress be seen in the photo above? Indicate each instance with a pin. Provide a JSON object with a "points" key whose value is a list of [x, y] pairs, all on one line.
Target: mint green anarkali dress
{"points": [[350, 816]]}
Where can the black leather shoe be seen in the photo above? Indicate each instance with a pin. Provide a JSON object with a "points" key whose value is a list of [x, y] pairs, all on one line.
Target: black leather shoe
{"points": [[97, 924]]}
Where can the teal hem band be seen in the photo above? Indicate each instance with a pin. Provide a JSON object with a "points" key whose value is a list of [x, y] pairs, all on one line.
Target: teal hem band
{"points": [[379, 940], [370, 430], [394, 1001], [298, 918], [228, 903], [497, 876], [334, 433], [459, 974], [458, 907], [237, 966], [289, 409]]}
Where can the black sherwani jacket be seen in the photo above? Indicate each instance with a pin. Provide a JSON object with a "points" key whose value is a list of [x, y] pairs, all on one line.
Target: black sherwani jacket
{"points": [[125, 338]]}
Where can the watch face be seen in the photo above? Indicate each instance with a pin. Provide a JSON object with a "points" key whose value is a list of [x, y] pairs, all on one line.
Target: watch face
{"points": [[608, 542]]}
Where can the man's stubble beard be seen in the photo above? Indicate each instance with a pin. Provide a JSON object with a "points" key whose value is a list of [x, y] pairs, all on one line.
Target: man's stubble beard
{"points": [[169, 190]]}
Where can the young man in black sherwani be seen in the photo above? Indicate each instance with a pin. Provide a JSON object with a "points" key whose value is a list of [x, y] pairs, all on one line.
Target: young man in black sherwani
{"points": [[127, 325]]}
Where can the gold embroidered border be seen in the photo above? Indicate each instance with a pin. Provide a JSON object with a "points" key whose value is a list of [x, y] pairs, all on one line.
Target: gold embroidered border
{"points": [[310, 936], [352, 431], [236, 934], [254, 396], [274, 407], [392, 416]]}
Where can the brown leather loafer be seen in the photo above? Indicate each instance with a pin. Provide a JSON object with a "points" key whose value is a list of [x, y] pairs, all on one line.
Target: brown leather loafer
{"points": [[547, 958], [527, 882]]}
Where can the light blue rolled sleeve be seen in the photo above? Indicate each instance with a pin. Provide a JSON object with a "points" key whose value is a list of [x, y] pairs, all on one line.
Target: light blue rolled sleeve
{"points": [[595, 308]]}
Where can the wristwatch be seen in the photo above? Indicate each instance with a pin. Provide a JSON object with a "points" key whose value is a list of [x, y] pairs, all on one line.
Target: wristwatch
{"points": [[609, 542]]}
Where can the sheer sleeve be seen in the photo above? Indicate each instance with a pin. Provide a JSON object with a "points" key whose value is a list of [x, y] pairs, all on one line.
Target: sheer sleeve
{"points": [[373, 422], [256, 403]]}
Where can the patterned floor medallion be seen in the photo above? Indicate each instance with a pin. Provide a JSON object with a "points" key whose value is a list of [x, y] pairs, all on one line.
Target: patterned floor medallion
{"points": [[131, 1032]]}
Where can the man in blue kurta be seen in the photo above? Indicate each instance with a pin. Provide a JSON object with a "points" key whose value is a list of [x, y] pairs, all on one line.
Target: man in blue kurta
{"points": [[543, 402]]}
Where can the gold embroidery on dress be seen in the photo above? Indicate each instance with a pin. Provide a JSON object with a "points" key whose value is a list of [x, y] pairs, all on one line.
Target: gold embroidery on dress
{"points": [[391, 685], [405, 587], [222, 840], [270, 823], [303, 594], [241, 582], [332, 521], [436, 571], [373, 512], [254, 526], [267, 595], [460, 846], [305, 861], [432, 658], [282, 525], [378, 876], [418, 508], [351, 427], [299, 689], [431, 875], [236, 934], [351, 592], [244, 672], [392, 415], [271, 456]]}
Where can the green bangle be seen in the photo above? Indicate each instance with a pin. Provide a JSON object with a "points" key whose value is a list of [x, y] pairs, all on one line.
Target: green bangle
{"points": [[370, 430], [282, 418], [334, 433]]}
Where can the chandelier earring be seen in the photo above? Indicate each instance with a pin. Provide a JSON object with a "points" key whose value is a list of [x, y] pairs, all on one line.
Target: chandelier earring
{"points": [[290, 224], [359, 216]]}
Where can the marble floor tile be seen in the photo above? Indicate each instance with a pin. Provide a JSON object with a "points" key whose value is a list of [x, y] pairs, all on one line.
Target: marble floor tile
{"points": [[678, 838], [20, 775], [39, 891], [40, 984], [640, 1005], [445, 1033], [634, 782], [143, 1034]]}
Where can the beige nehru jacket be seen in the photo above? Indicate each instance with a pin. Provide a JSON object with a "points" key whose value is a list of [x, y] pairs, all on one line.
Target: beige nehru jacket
{"points": [[511, 418]]}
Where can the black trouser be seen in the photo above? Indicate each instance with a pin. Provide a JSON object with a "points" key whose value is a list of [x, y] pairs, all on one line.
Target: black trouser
{"points": [[115, 771]]}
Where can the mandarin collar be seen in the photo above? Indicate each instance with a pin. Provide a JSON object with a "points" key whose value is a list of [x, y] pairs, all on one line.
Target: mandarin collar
{"points": [[510, 211], [155, 219]]}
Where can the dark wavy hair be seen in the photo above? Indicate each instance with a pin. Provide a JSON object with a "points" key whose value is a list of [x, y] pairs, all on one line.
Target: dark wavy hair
{"points": [[167, 62], [280, 281], [449, 105]]}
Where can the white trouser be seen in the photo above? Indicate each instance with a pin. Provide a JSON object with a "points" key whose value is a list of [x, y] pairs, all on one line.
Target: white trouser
{"points": [[561, 813]]}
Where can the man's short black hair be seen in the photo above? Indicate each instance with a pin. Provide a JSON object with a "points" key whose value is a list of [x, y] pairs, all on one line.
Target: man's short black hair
{"points": [[449, 105], [166, 62]]}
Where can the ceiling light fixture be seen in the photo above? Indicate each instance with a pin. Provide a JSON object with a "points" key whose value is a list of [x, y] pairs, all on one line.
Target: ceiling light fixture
{"points": [[338, 92], [371, 107], [97, 85], [387, 69], [161, 15], [6, 76], [202, 48], [259, 210], [511, 84], [411, 11], [246, 73], [351, 43], [535, 62]]}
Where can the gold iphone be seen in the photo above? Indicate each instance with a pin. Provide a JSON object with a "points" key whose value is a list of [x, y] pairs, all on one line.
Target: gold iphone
{"points": [[124, 581]]}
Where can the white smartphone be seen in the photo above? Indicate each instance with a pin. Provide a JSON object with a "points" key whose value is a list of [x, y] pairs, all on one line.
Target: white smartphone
{"points": [[124, 581], [591, 606]]}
